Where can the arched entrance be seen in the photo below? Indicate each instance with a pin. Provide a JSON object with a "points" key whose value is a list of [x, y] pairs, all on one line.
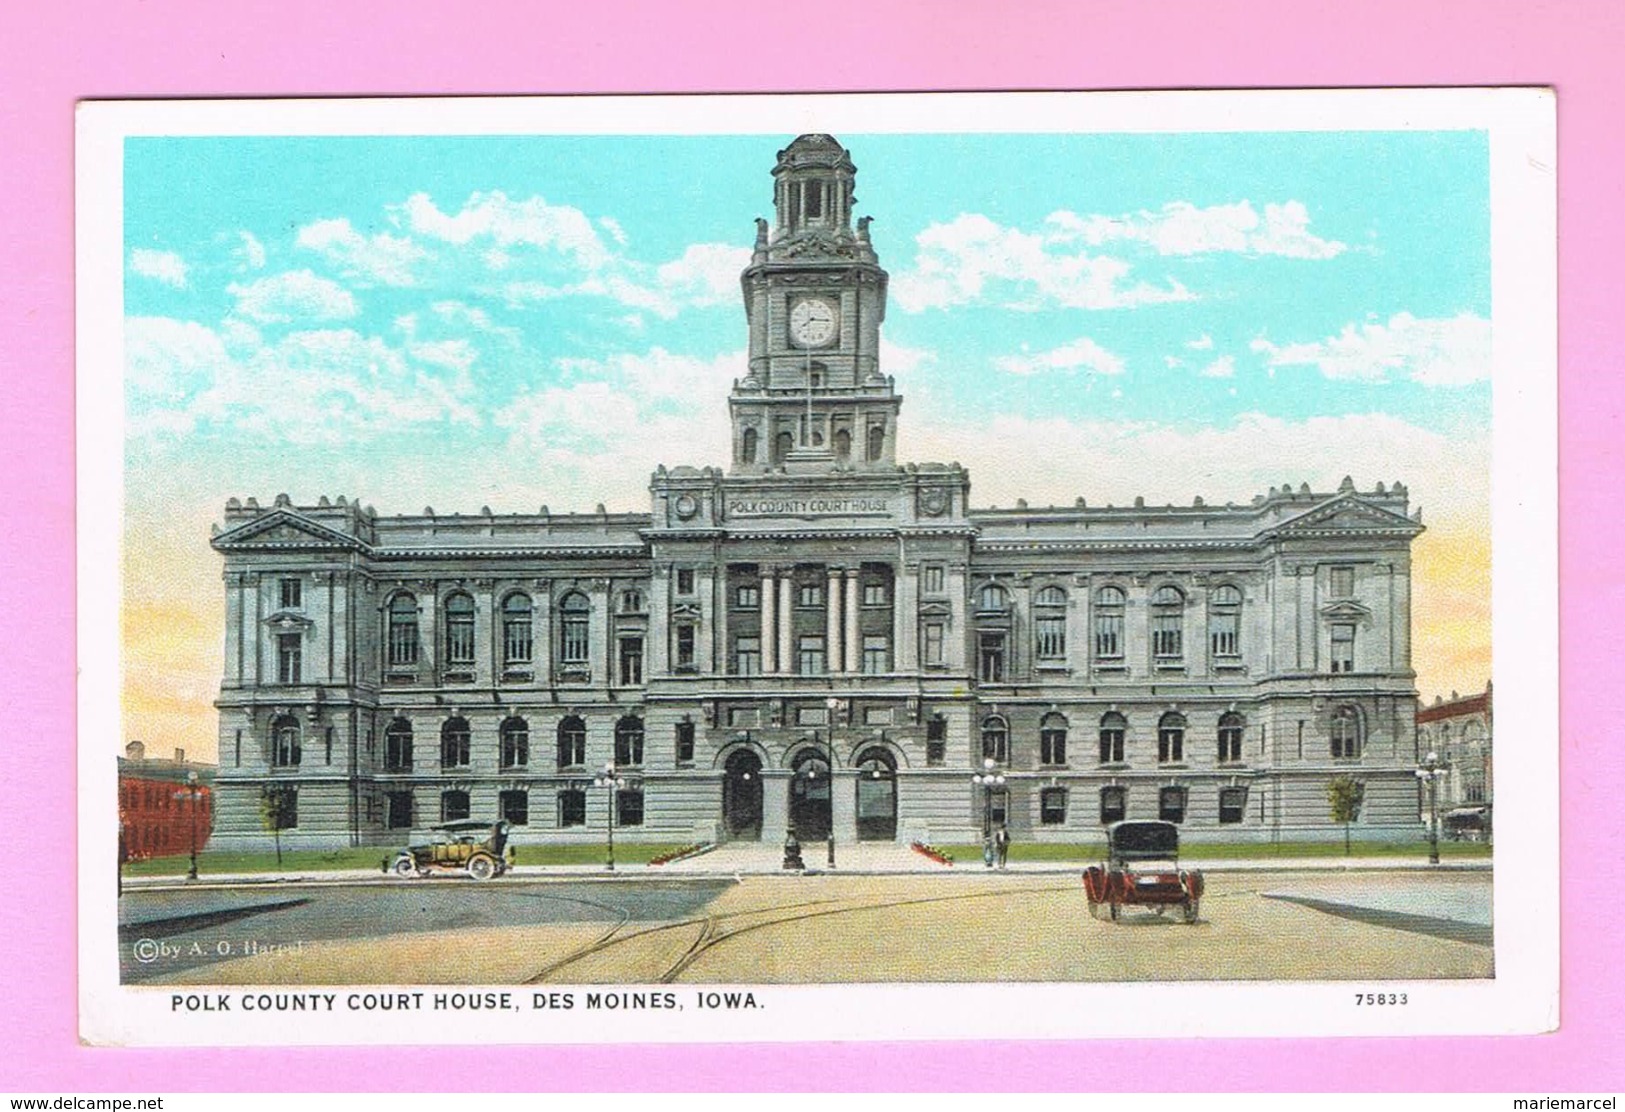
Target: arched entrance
{"points": [[877, 796], [810, 797], [742, 796]]}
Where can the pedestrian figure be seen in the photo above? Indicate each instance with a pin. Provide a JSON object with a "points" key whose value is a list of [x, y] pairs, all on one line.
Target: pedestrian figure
{"points": [[987, 851], [1001, 845]]}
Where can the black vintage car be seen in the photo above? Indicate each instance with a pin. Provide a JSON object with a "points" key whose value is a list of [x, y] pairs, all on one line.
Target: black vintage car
{"points": [[1142, 867], [472, 846]]}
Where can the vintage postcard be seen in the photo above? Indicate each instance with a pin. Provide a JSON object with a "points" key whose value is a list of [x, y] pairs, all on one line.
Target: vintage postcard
{"points": [[764, 568]]}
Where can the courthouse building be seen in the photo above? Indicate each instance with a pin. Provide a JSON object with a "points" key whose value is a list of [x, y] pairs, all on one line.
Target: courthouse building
{"points": [[814, 634]]}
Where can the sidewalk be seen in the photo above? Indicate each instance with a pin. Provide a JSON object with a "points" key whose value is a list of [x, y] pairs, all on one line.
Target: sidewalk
{"points": [[859, 859]]}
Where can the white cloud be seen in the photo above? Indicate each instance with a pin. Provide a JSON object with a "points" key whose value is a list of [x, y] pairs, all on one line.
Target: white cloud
{"points": [[895, 359], [972, 258], [1222, 367], [293, 295], [379, 258], [161, 266], [1204, 342], [1082, 354], [250, 252], [493, 219], [706, 274], [1451, 351], [1181, 228]]}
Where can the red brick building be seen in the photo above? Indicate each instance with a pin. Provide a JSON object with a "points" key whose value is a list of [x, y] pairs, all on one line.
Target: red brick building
{"points": [[162, 802], [1461, 730]]}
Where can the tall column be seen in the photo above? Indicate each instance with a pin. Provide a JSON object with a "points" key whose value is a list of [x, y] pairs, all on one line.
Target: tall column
{"points": [[775, 805], [769, 605], [854, 645], [787, 602], [903, 624], [832, 620]]}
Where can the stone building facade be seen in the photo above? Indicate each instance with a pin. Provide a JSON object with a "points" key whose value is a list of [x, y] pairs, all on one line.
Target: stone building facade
{"points": [[1460, 730], [816, 636]]}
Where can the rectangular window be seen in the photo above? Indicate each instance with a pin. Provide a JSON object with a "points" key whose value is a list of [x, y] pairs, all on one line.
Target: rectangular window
{"points": [[1109, 636], [1111, 745], [1342, 647], [516, 642], [810, 596], [573, 642], [876, 655], [460, 638], [453, 806], [685, 743], [1170, 745], [936, 740], [288, 655], [1113, 804], [748, 597], [631, 660], [931, 641], [1052, 806], [1232, 804], [1342, 582], [685, 648], [685, 581], [990, 665], [573, 807], [1167, 636], [1171, 804], [1225, 634], [933, 579], [810, 656], [744, 716], [398, 810], [403, 636], [1051, 641], [1052, 745], [514, 807], [812, 716], [874, 594], [291, 594], [629, 804]]}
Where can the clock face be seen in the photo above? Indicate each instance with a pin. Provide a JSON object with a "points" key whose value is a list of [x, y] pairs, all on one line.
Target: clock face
{"points": [[812, 322]]}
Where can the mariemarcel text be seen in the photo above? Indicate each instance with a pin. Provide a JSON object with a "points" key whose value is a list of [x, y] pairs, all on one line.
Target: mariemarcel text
{"points": [[613, 1000]]}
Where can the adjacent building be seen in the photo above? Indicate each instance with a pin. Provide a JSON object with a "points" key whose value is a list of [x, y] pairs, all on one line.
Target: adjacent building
{"points": [[1460, 730], [814, 635], [165, 806]]}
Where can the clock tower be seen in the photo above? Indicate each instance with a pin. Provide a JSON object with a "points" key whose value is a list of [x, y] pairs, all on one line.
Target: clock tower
{"points": [[814, 400]]}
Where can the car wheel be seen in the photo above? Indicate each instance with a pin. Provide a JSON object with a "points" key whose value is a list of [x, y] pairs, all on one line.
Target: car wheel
{"points": [[405, 867], [481, 868]]}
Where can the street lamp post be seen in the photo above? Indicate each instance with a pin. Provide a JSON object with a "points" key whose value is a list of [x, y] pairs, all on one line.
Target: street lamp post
{"points": [[1431, 772], [832, 704], [608, 779], [191, 793], [990, 780]]}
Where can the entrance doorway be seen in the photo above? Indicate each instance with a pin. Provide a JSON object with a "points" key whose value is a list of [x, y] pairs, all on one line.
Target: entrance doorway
{"points": [[742, 796], [810, 797], [877, 796]]}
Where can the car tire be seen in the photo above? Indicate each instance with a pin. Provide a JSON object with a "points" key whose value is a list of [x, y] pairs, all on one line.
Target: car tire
{"points": [[404, 867], [482, 867]]}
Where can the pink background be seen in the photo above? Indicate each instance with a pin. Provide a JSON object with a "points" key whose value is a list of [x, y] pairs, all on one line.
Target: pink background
{"points": [[61, 51]]}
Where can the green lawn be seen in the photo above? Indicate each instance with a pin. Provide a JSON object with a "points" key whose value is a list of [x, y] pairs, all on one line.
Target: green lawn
{"points": [[1199, 851], [219, 862]]}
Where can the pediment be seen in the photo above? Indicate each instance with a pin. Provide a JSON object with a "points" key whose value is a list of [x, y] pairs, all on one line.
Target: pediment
{"points": [[1347, 514], [288, 621], [282, 529], [1345, 610]]}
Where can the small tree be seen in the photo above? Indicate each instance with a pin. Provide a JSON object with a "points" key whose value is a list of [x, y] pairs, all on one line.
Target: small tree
{"points": [[1345, 794], [277, 813]]}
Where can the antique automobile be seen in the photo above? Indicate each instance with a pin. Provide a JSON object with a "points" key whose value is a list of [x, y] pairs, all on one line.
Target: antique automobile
{"points": [[1469, 824], [471, 846], [1142, 868]]}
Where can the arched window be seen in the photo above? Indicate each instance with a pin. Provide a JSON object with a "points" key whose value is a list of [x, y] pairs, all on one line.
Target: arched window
{"points": [[453, 805], [1052, 740], [515, 735], [516, 629], [1224, 622], [1113, 728], [747, 446], [995, 739], [572, 742], [1049, 624], [398, 746], [454, 743], [285, 751], [459, 630], [782, 444], [1168, 625], [877, 441], [994, 597], [629, 741], [1345, 734], [843, 443], [1171, 738], [402, 634], [1231, 727], [1109, 603], [573, 611]]}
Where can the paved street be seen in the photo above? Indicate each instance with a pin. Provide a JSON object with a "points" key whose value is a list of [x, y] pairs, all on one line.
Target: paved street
{"points": [[760, 929]]}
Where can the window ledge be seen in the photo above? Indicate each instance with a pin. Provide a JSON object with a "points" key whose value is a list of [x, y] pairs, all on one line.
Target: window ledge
{"points": [[1113, 766], [1173, 765], [1051, 666], [512, 675], [1110, 666]]}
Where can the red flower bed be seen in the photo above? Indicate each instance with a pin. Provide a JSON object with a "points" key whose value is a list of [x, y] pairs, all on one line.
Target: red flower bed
{"points": [[679, 854], [932, 852]]}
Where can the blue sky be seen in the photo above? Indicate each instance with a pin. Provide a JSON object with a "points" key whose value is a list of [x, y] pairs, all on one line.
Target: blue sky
{"points": [[513, 321]]}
